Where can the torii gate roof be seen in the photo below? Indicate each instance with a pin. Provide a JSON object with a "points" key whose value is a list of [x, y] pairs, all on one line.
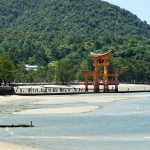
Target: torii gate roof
{"points": [[110, 53]]}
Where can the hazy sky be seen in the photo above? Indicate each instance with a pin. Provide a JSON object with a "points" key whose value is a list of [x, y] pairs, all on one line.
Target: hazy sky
{"points": [[141, 8]]}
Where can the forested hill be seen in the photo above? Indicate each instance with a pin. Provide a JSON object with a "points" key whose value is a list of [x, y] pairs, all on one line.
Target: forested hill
{"points": [[70, 17], [40, 31]]}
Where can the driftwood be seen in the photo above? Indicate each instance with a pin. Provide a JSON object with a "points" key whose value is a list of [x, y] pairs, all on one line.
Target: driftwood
{"points": [[18, 125]]}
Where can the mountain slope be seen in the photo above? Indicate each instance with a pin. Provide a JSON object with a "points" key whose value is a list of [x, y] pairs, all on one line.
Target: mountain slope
{"points": [[70, 16], [41, 31]]}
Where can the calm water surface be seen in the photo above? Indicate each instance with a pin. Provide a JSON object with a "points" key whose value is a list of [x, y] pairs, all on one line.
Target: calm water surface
{"points": [[119, 125]]}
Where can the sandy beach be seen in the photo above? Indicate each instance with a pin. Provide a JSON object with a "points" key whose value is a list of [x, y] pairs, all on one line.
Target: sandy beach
{"points": [[6, 146], [31, 104]]}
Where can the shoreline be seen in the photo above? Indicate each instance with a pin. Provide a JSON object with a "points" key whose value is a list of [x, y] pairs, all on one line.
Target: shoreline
{"points": [[15, 104], [34, 90], [8, 146]]}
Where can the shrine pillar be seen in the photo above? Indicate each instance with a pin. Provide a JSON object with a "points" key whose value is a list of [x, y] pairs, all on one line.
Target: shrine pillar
{"points": [[96, 77], [116, 80], [86, 80], [106, 89]]}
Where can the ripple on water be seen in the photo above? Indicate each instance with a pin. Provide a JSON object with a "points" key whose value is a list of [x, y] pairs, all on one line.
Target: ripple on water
{"points": [[118, 125]]}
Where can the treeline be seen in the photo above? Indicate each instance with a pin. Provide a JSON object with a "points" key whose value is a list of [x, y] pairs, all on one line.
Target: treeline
{"points": [[59, 35], [69, 70], [40, 49]]}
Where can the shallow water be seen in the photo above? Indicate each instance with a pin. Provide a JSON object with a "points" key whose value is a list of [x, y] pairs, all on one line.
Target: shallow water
{"points": [[118, 125]]}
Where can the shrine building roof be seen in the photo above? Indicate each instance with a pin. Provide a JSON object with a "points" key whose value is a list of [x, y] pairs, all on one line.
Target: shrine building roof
{"points": [[110, 53]]}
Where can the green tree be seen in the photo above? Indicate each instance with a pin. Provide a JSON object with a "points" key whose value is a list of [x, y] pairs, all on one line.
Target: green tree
{"points": [[21, 73], [65, 71], [7, 68]]}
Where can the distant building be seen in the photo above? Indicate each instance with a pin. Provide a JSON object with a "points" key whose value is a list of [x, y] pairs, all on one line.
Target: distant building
{"points": [[31, 67]]}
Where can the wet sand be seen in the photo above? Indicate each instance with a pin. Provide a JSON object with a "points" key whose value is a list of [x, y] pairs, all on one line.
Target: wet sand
{"points": [[65, 110], [31, 104], [7, 146]]}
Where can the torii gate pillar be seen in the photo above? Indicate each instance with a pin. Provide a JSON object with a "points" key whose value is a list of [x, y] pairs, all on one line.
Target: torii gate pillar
{"points": [[96, 78]]}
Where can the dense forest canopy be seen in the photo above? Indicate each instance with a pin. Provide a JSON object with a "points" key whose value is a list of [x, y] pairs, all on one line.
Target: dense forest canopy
{"points": [[50, 33]]}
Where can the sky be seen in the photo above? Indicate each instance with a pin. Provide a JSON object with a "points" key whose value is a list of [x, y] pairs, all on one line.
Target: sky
{"points": [[141, 8]]}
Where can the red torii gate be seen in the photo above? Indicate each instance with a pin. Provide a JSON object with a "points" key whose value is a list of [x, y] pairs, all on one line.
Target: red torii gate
{"points": [[101, 60]]}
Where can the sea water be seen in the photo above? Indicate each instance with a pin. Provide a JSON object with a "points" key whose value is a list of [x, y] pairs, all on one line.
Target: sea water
{"points": [[118, 125]]}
